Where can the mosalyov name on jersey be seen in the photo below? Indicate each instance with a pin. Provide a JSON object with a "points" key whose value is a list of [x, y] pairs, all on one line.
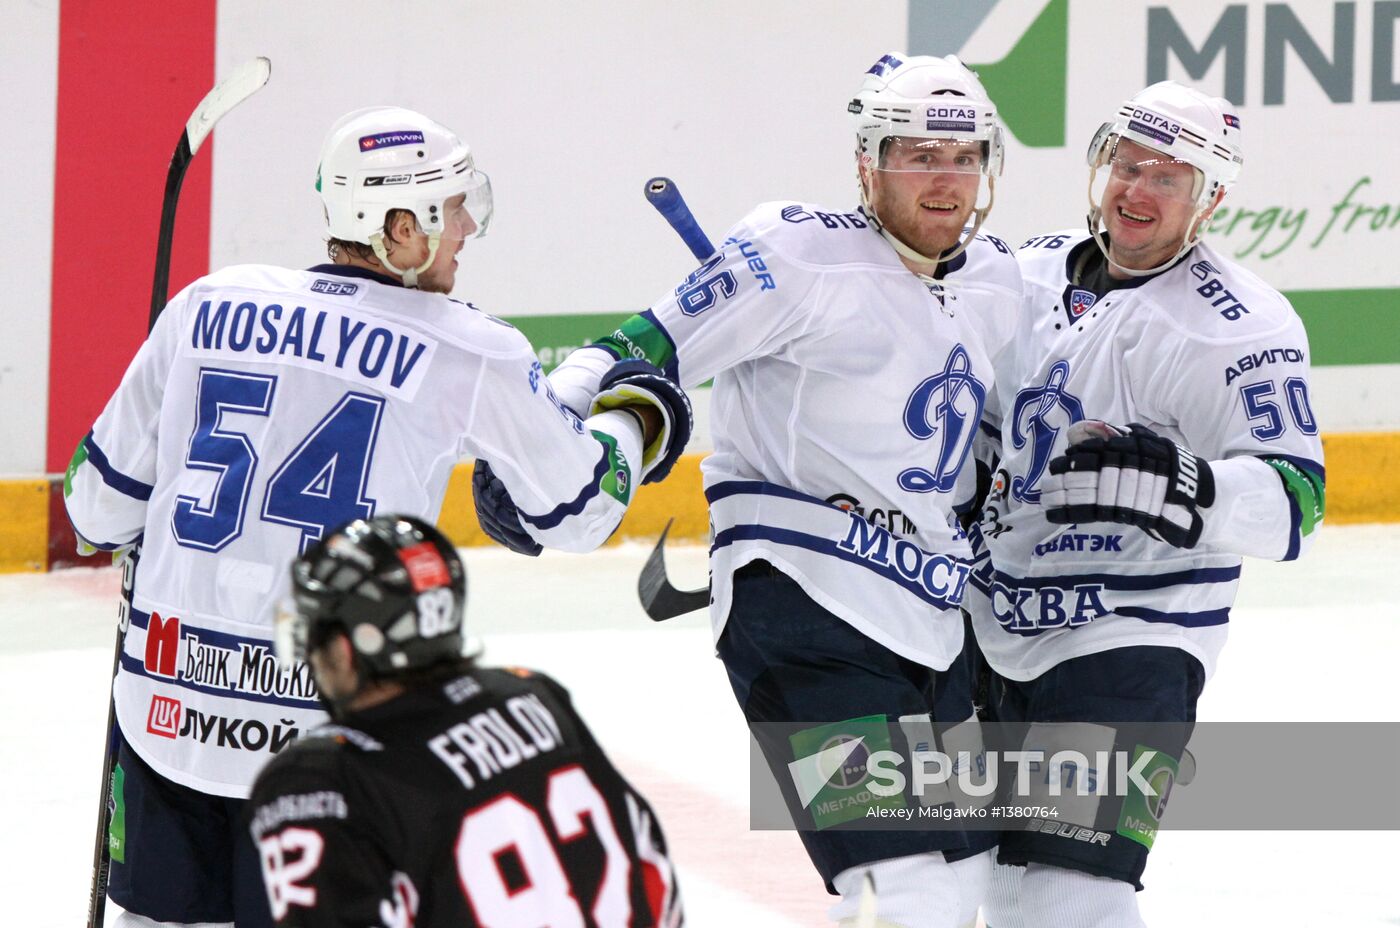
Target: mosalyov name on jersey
{"points": [[354, 346]]}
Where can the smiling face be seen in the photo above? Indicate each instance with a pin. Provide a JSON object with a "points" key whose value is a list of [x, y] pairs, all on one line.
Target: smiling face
{"points": [[1148, 204], [925, 189]]}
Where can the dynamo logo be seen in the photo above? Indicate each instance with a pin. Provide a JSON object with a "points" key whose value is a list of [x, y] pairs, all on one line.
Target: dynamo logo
{"points": [[1037, 417]]}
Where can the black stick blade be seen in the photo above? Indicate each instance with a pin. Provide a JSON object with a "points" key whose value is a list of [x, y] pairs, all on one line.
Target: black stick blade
{"points": [[660, 599]]}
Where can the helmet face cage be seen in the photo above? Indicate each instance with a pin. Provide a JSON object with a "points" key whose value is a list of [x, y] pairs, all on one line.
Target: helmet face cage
{"points": [[1160, 174], [384, 158], [393, 585], [1182, 125], [923, 99]]}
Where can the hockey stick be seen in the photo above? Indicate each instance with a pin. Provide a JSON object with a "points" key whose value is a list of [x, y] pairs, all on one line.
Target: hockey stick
{"points": [[245, 81], [660, 599], [663, 193]]}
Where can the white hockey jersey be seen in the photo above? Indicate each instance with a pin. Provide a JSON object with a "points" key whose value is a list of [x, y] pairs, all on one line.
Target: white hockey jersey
{"points": [[846, 397], [267, 407], [1204, 353]]}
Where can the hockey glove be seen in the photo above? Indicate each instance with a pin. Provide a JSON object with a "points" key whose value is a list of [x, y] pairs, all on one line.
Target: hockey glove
{"points": [[1134, 477], [641, 383], [497, 512]]}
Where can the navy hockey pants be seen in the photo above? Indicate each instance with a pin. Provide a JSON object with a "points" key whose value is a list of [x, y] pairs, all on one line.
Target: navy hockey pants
{"points": [[1146, 684], [185, 856], [792, 663]]}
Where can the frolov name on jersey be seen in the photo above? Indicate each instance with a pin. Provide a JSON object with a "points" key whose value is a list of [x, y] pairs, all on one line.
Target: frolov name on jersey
{"points": [[487, 743]]}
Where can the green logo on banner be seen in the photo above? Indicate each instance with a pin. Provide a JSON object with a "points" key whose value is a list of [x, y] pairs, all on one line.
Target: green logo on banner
{"points": [[1028, 84]]}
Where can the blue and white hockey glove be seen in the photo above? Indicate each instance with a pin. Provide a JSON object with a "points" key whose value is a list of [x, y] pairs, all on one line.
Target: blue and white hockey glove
{"points": [[641, 383], [1132, 476], [497, 512]]}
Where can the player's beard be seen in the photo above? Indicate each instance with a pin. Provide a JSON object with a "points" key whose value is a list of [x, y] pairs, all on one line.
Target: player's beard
{"points": [[929, 232], [441, 276]]}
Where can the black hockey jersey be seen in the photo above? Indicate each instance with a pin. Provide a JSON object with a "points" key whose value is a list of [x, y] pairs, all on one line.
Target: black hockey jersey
{"points": [[478, 800]]}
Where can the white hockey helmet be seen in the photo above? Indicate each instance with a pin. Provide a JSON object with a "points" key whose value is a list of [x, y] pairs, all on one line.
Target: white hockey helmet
{"points": [[923, 97], [1182, 124], [387, 157]]}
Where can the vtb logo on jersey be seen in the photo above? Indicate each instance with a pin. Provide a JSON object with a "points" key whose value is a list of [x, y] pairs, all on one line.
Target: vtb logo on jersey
{"points": [[947, 405], [1037, 417]]}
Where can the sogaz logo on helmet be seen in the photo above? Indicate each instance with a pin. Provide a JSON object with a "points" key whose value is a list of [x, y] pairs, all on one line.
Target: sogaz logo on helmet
{"points": [[951, 119], [1153, 125]]}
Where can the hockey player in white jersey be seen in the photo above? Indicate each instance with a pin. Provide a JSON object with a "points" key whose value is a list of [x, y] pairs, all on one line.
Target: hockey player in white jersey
{"points": [[269, 406], [1160, 429], [851, 353]]}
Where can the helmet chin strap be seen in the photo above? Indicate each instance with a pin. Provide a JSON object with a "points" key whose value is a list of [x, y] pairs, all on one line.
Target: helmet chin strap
{"points": [[1188, 241], [409, 275], [905, 250]]}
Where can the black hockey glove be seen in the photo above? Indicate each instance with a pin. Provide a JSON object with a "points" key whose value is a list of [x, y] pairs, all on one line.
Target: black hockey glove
{"points": [[1135, 477], [641, 383], [497, 513]]}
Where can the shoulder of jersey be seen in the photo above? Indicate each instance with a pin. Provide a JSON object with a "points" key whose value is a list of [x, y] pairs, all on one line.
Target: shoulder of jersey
{"points": [[1211, 300], [433, 313], [991, 259], [1225, 300], [318, 751], [1040, 263], [810, 235], [513, 679]]}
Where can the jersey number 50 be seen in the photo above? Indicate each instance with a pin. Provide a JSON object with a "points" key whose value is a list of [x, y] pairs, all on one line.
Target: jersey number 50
{"points": [[319, 486]]}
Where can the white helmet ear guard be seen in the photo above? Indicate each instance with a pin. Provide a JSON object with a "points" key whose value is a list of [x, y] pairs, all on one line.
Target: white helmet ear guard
{"points": [[924, 97], [1182, 124], [387, 157]]}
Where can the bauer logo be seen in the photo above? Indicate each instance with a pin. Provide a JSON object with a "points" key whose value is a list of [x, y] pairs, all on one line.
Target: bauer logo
{"points": [[388, 180], [389, 140], [334, 287], [164, 718]]}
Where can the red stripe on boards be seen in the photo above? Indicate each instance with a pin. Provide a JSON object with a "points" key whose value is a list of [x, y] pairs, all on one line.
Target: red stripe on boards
{"points": [[129, 74]]}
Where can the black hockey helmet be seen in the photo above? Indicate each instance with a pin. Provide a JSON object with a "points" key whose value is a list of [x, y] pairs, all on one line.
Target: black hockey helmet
{"points": [[393, 585]]}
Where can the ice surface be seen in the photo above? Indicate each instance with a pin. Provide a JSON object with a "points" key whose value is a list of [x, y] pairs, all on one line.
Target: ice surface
{"points": [[1316, 640]]}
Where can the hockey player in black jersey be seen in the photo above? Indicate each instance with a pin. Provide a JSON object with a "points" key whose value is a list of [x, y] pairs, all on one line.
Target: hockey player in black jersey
{"points": [[444, 792]]}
